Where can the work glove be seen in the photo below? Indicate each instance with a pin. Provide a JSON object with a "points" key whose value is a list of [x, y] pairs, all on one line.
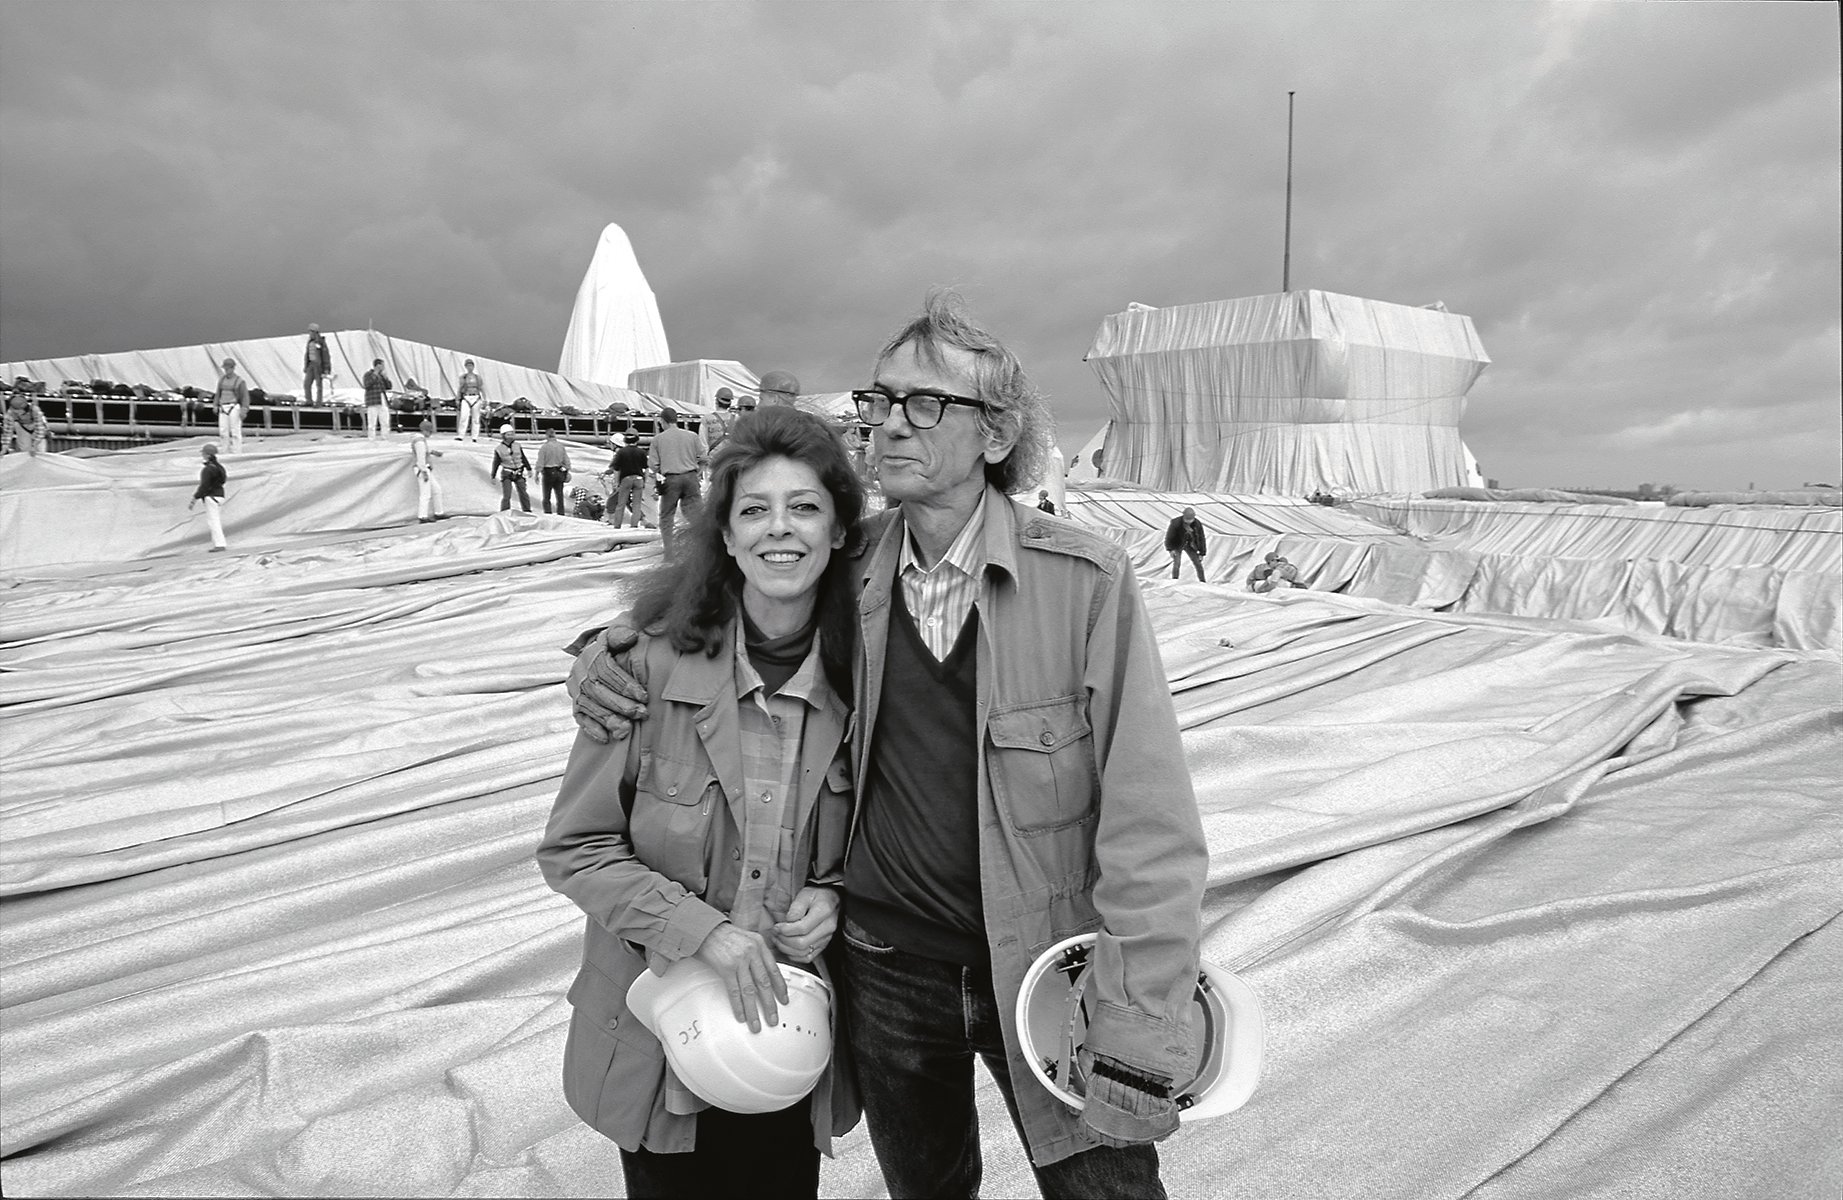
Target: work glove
{"points": [[1126, 1107], [606, 699]]}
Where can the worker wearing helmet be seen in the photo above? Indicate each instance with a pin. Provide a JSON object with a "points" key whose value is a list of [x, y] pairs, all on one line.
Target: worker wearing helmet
{"points": [[779, 389], [717, 425]]}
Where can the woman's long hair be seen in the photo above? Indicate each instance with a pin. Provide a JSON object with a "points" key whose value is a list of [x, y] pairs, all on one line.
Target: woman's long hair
{"points": [[692, 600]]}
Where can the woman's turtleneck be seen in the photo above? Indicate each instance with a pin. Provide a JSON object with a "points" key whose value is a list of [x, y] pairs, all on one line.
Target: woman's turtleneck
{"points": [[776, 659]]}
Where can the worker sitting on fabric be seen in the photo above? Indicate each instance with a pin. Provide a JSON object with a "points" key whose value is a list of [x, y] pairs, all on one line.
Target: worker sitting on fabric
{"points": [[1274, 572]]}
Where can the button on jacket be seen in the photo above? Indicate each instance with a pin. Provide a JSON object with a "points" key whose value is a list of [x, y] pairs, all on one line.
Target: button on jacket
{"points": [[1087, 819], [644, 879]]}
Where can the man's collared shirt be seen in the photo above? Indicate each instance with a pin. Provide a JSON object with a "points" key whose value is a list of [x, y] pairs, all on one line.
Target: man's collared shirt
{"points": [[940, 597]]}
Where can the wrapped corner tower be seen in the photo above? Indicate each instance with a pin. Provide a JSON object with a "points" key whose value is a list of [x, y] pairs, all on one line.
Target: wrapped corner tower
{"points": [[1288, 393], [615, 325]]}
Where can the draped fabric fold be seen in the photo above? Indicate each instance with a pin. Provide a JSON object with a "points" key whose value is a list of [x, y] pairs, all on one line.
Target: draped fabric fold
{"points": [[1534, 907]]}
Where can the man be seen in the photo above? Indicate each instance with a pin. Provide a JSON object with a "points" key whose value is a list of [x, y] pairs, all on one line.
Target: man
{"points": [[211, 480], [676, 456], [553, 471], [472, 394], [511, 466], [1045, 504], [717, 425], [628, 471], [377, 401], [1274, 572], [429, 506], [1185, 536], [1020, 780], [316, 365], [779, 387], [233, 400]]}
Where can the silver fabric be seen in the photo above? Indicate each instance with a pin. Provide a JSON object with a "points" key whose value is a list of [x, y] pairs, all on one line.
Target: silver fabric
{"points": [[1534, 909]]}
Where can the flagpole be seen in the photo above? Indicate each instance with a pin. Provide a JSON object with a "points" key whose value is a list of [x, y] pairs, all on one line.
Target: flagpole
{"points": [[1286, 263]]}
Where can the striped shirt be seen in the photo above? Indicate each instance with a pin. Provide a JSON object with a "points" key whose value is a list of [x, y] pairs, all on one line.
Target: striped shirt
{"points": [[939, 597]]}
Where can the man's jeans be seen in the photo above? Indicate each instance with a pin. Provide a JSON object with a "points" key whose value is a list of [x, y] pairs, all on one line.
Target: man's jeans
{"points": [[915, 1025], [1196, 560], [626, 500], [552, 480], [681, 492]]}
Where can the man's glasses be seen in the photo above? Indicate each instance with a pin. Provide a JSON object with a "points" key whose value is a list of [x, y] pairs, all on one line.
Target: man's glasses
{"points": [[922, 410]]}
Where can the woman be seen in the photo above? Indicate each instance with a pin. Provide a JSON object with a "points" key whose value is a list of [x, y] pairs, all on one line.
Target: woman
{"points": [[717, 828], [211, 480]]}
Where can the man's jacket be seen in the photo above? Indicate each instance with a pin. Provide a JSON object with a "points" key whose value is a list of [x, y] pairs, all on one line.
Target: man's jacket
{"points": [[1185, 535], [1086, 813], [325, 359]]}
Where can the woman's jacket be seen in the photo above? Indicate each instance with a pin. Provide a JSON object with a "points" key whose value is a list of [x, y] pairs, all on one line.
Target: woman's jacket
{"points": [[641, 873]]}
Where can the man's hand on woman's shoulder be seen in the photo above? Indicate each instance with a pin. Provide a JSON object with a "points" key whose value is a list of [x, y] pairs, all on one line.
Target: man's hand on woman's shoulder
{"points": [[606, 700]]}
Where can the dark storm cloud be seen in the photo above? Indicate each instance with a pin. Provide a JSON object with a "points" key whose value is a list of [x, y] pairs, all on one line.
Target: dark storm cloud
{"points": [[1635, 203]]}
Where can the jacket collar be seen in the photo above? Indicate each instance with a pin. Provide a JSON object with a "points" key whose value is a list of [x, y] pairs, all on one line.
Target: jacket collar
{"points": [[702, 680], [880, 564]]}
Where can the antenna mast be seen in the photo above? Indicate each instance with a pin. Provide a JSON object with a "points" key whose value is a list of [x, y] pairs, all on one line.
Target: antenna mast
{"points": [[1286, 263]]}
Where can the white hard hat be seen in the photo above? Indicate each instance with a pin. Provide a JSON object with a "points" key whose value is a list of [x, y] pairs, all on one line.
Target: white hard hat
{"points": [[715, 1055], [1052, 1024]]}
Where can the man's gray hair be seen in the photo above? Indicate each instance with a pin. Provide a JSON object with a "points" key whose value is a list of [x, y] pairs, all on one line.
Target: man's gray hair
{"points": [[1013, 404]]}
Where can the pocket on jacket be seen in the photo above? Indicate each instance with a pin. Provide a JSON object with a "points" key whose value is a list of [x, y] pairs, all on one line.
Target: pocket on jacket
{"points": [[1042, 758], [832, 821], [670, 823], [611, 1064], [612, 1080]]}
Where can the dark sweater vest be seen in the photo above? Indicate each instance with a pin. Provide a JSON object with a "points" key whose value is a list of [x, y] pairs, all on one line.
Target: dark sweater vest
{"points": [[913, 875]]}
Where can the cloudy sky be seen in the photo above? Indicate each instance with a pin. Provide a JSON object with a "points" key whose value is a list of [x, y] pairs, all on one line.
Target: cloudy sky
{"points": [[1636, 203]]}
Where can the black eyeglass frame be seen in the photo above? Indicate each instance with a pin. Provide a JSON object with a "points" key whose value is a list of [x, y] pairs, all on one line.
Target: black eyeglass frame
{"points": [[864, 398]]}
